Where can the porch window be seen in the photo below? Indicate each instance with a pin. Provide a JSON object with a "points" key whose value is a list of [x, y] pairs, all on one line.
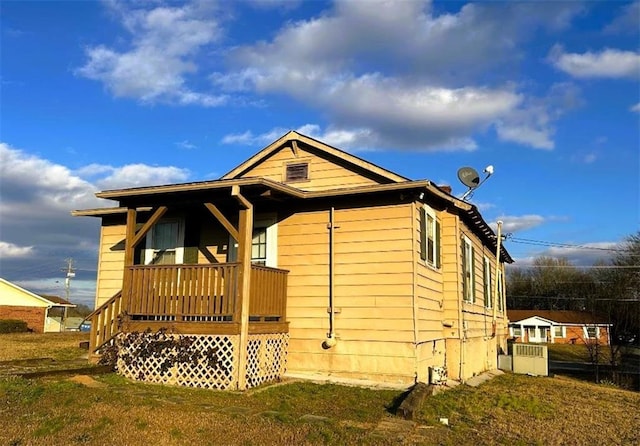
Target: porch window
{"points": [[558, 331], [468, 276], [264, 242], [517, 332], [429, 237], [164, 247], [487, 283], [259, 246]]}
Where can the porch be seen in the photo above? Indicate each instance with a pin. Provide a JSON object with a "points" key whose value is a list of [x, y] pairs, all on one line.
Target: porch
{"points": [[200, 303], [190, 277]]}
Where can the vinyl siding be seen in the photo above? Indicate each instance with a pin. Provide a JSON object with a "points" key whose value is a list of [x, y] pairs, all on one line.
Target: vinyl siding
{"points": [[323, 174]]}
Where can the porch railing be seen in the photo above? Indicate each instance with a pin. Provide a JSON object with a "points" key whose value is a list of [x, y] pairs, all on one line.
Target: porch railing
{"points": [[193, 293], [104, 322], [268, 294]]}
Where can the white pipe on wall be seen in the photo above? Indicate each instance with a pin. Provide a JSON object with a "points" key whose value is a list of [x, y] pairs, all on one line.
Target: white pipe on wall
{"points": [[331, 336]]}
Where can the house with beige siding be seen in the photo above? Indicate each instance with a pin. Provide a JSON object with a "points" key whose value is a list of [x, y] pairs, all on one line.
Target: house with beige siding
{"points": [[306, 261]]}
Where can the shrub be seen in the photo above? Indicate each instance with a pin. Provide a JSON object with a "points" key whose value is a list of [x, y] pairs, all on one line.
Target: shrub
{"points": [[13, 326]]}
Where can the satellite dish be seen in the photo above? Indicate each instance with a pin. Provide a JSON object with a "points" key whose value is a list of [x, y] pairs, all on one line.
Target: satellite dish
{"points": [[469, 177]]}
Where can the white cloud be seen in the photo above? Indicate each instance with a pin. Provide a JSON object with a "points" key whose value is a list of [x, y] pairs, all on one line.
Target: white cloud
{"points": [[80, 292], [342, 138], [137, 175], [635, 108], [339, 63], [538, 136], [533, 123], [165, 41], [38, 232], [518, 223], [186, 145], [483, 206], [10, 250], [608, 63], [583, 255]]}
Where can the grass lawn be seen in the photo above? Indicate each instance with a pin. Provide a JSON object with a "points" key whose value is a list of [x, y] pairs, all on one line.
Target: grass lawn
{"points": [[57, 346], [577, 353], [511, 409]]}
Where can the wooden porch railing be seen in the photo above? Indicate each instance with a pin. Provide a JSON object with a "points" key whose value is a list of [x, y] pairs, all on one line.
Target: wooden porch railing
{"points": [[268, 294], [202, 298], [195, 293], [104, 322]]}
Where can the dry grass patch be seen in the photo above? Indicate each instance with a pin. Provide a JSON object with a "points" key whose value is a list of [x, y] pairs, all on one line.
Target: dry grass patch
{"points": [[58, 346]]}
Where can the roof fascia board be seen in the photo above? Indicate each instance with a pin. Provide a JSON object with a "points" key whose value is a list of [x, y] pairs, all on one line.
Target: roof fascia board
{"points": [[103, 212]]}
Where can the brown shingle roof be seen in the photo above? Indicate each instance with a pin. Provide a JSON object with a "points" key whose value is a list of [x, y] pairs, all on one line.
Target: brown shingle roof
{"points": [[560, 316], [57, 300]]}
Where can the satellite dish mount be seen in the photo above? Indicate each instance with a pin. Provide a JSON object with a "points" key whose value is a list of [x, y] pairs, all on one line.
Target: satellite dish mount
{"points": [[470, 178]]}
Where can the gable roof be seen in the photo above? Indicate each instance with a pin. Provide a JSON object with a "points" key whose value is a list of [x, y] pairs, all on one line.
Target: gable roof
{"points": [[141, 197], [53, 301], [557, 316], [319, 146]]}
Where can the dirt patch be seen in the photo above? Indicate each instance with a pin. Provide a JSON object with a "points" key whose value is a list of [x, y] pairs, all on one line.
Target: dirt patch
{"points": [[87, 381]]}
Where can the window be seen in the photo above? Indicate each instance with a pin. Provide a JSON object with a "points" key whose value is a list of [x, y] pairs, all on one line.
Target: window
{"points": [[259, 246], [517, 332], [468, 276], [429, 237], [558, 331], [297, 172], [264, 242], [165, 243], [487, 283], [591, 332]]}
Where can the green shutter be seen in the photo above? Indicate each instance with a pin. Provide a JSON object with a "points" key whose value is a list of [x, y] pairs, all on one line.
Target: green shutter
{"points": [[464, 270], [437, 242], [423, 234], [473, 275], [485, 281]]}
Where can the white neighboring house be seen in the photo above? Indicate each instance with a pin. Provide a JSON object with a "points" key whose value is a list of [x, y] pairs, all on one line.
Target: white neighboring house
{"points": [[19, 303], [557, 327]]}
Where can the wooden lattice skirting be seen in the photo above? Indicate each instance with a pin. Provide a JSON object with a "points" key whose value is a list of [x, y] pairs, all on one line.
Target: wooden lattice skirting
{"points": [[208, 361]]}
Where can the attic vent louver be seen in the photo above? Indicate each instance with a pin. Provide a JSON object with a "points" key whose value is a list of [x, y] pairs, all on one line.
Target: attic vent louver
{"points": [[297, 172]]}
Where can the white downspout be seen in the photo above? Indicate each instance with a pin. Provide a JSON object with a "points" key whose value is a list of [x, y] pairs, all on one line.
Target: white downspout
{"points": [[331, 336]]}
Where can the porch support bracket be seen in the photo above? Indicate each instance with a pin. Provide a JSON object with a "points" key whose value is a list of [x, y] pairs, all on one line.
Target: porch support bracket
{"points": [[245, 232], [223, 220], [157, 215]]}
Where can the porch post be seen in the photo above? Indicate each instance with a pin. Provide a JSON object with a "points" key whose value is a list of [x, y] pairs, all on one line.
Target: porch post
{"points": [[245, 233], [129, 247]]}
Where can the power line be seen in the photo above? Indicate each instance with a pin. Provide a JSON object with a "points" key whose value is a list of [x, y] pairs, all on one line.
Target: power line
{"points": [[526, 241]]}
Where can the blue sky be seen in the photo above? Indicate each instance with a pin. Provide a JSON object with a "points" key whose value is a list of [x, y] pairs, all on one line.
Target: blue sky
{"points": [[101, 95]]}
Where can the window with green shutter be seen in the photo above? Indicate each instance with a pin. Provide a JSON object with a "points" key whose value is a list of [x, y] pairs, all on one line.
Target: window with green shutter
{"points": [[468, 267], [429, 237]]}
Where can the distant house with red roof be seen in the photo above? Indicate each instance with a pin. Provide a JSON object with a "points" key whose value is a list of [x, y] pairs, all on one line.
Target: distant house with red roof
{"points": [[557, 327]]}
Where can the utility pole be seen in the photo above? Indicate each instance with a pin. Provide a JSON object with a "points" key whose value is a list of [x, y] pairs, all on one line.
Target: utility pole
{"points": [[71, 273]]}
